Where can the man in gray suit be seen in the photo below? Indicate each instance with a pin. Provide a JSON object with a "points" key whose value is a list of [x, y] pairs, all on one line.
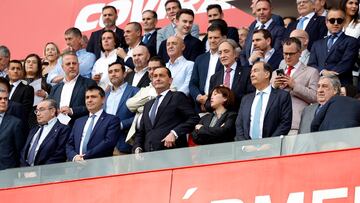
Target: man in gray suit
{"points": [[172, 7], [328, 86], [300, 80]]}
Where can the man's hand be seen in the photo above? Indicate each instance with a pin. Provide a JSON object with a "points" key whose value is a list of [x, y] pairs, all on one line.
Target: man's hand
{"points": [[198, 126], [278, 82], [329, 73], [57, 79], [169, 140], [121, 52], [79, 158], [97, 77], [202, 99], [289, 81], [66, 110], [255, 55]]}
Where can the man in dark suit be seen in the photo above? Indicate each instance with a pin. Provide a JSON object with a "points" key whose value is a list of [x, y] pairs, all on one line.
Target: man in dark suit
{"points": [[11, 135], [139, 77], [262, 50], [216, 15], [233, 75], [337, 53], [266, 113], [167, 119], [193, 46], [96, 135], [149, 21], [205, 66], [70, 93], [309, 21], [115, 104], [263, 20], [276, 18], [45, 143], [4, 60], [109, 16]]}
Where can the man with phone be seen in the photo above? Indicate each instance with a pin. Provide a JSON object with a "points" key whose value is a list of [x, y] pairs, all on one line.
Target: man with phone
{"points": [[297, 78]]}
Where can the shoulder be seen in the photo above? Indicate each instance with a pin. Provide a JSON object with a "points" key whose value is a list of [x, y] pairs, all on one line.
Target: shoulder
{"points": [[201, 57]]}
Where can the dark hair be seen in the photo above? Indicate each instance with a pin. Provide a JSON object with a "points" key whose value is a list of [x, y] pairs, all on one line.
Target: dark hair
{"points": [[184, 11], [220, 25], [52, 103], [351, 90], [118, 62], [266, 33], [226, 93], [173, 1], [38, 74], [158, 59], [342, 6], [109, 7], [6, 83], [95, 87], [264, 0], [212, 6], [152, 12], [267, 67], [117, 42], [137, 26], [74, 31], [292, 40], [168, 72], [292, 18]]}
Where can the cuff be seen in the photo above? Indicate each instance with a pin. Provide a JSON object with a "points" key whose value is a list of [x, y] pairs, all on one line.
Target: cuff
{"points": [[176, 136]]}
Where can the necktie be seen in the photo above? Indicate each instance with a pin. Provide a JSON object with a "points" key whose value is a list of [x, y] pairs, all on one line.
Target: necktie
{"points": [[146, 38], [300, 25], [289, 69], [330, 41], [153, 109], [318, 109], [31, 153], [1, 118], [262, 26], [88, 134], [256, 123], [227, 77]]}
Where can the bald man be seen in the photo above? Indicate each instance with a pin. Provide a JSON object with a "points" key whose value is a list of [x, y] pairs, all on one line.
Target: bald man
{"points": [[139, 77]]}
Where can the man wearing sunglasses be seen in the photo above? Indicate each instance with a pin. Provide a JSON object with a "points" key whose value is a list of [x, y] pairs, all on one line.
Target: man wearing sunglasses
{"points": [[337, 53]]}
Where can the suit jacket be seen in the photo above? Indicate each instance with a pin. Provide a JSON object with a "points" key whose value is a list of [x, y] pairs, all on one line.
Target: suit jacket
{"points": [[337, 113], [93, 45], [174, 113], [144, 81], [77, 101], [102, 140], [274, 60], [231, 34], [277, 35], [193, 48], [168, 31], [24, 94], [12, 141], [316, 29], [307, 117], [340, 58], [241, 83], [199, 74], [151, 45], [277, 119], [304, 92], [223, 131], [125, 116], [52, 149]]}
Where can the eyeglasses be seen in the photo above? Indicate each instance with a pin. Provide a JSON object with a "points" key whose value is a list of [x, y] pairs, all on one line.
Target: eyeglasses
{"points": [[339, 21], [41, 110], [290, 53]]}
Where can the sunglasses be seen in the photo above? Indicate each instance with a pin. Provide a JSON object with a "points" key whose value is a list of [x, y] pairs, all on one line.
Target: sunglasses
{"points": [[337, 20]]}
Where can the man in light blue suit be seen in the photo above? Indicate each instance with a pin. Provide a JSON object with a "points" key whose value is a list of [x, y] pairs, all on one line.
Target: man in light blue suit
{"points": [[172, 7], [115, 103]]}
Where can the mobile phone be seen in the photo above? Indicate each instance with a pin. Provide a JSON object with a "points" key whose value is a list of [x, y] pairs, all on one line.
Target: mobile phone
{"points": [[280, 72]]}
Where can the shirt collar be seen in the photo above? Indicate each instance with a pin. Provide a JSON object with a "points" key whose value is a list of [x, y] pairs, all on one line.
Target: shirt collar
{"points": [[309, 16], [178, 60], [71, 81], [258, 24], [164, 92], [337, 34], [16, 83], [123, 86], [232, 67], [267, 90], [98, 113], [51, 121], [151, 32]]}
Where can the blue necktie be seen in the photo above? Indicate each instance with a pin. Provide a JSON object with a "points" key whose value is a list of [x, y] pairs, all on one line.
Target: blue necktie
{"points": [[300, 25], [88, 134], [262, 26], [31, 154], [146, 38], [153, 109], [257, 115], [330, 41]]}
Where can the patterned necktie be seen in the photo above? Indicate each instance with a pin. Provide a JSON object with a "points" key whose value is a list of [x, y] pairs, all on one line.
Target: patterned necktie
{"points": [[153, 109], [330, 41], [289, 69], [256, 122], [227, 77], [88, 134], [300, 25], [31, 153]]}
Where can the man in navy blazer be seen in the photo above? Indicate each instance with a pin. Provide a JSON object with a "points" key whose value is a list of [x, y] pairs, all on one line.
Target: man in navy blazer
{"points": [[96, 135], [11, 135], [149, 21], [337, 53], [46, 143], [109, 16], [70, 93], [115, 103], [309, 21], [266, 112], [205, 66]]}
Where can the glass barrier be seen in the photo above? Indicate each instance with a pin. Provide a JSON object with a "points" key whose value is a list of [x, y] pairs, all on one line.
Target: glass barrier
{"points": [[206, 154]]}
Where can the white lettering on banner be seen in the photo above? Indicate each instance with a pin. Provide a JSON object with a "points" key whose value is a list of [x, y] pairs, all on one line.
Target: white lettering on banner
{"points": [[263, 199], [357, 195], [296, 197], [134, 9], [228, 201], [189, 192], [320, 195]]}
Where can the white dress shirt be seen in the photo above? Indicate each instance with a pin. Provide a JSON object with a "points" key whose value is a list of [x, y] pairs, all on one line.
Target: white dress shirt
{"points": [[232, 73], [67, 92], [214, 58], [15, 84], [138, 75], [101, 67], [181, 71], [97, 116], [266, 95]]}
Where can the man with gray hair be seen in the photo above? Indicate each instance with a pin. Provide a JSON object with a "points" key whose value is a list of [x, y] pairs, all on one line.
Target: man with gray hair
{"points": [[4, 60], [46, 142]]}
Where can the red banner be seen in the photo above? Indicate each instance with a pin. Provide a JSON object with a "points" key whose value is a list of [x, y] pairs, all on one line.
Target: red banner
{"points": [[26, 26]]}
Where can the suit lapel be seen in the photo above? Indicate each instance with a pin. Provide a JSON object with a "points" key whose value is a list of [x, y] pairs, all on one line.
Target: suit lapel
{"points": [[78, 83], [123, 99], [248, 113], [271, 100], [17, 92], [53, 132], [143, 79], [299, 71], [98, 123], [236, 80], [333, 47], [162, 106]]}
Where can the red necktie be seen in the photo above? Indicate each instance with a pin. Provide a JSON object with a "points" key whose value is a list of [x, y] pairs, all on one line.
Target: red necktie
{"points": [[289, 69], [227, 77]]}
